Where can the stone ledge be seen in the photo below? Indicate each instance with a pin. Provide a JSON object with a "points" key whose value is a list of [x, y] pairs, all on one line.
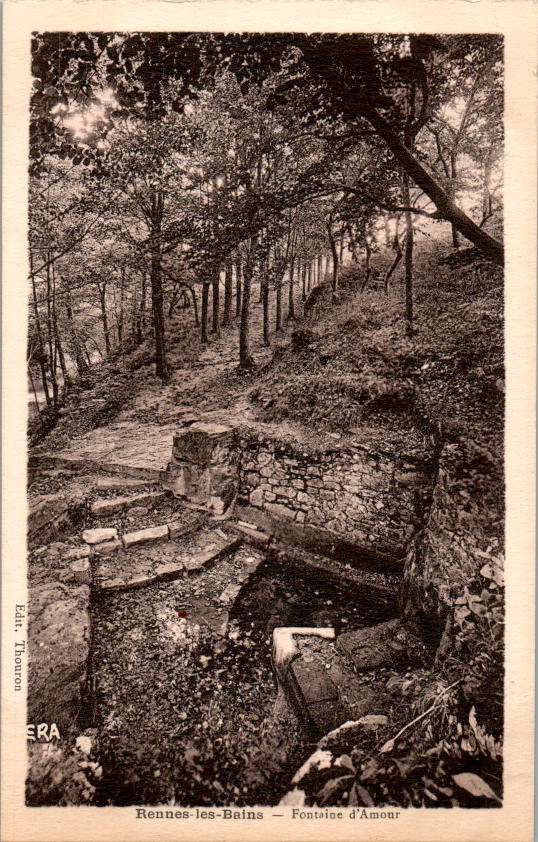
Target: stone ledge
{"points": [[120, 504]]}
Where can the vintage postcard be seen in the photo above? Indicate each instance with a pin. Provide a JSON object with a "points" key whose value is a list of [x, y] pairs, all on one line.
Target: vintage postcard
{"points": [[268, 420]]}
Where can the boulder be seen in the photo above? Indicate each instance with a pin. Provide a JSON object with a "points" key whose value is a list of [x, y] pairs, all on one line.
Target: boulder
{"points": [[58, 645]]}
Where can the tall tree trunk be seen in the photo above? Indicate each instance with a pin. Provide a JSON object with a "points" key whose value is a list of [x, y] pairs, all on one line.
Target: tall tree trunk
{"points": [[195, 306], [36, 399], [397, 258], [245, 357], [303, 279], [215, 285], [278, 308], [161, 367], [228, 292], [309, 276], [265, 308], [50, 336], [446, 209], [408, 254], [58, 343], [205, 310], [452, 194], [291, 302], [141, 311], [366, 278], [119, 321], [334, 251], [104, 317], [238, 288], [42, 352], [77, 354]]}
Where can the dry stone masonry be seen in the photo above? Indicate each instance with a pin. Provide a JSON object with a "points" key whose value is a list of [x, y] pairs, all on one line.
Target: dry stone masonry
{"points": [[370, 498]]}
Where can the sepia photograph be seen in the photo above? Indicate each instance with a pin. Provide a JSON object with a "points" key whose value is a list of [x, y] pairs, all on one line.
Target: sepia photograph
{"points": [[266, 383], [266, 368]]}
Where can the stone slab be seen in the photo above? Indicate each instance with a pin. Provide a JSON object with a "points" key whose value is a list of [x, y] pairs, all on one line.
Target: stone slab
{"points": [[76, 553], [178, 528], [196, 443], [386, 644], [252, 535], [146, 536], [313, 682], [197, 561], [96, 536], [120, 504], [106, 547], [118, 483]]}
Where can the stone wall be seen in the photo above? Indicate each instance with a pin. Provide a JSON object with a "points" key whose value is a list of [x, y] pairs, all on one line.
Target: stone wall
{"points": [[453, 570], [367, 497]]}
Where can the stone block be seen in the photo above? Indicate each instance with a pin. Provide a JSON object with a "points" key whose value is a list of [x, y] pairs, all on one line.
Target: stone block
{"points": [[253, 536], [313, 681], [278, 510], [174, 480], [146, 536], [197, 443], [196, 561], [256, 497], [325, 716], [137, 511], [81, 571], [107, 547], [77, 552], [97, 536]]}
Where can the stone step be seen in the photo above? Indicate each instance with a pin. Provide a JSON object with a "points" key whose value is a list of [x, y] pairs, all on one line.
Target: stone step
{"points": [[104, 506], [182, 564], [96, 466], [118, 483]]}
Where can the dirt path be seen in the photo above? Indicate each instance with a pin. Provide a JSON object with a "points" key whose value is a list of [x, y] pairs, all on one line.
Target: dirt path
{"points": [[208, 384]]}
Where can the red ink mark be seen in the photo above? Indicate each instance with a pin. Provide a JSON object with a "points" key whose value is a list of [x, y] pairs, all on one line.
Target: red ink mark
{"points": [[182, 614]]}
